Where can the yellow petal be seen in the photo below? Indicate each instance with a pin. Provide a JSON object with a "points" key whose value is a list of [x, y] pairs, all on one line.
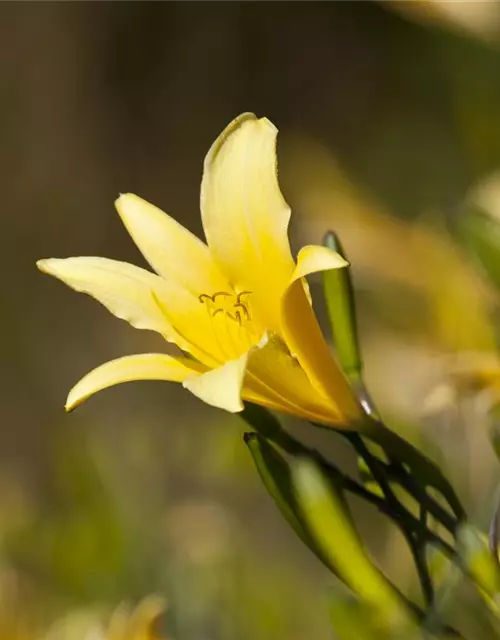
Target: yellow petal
{"points": [[274, 375], [245, 216], [303, 335], [145, 300], [125, 290], [473, 370], [173, 251], [188, 269], [220, 387], [314, 258], [147, 366], [140, 623]]}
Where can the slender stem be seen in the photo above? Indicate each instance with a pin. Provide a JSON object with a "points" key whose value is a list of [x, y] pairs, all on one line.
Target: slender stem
{"points": [[375, 466], [421, 567], [292, 446], [414, 539], [405, 452], [407, 481], [383, 473], [403, 518]]}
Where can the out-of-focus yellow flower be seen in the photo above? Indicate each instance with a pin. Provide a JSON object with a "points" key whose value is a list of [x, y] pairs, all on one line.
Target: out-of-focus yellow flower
{"points": [[125, 623], [138, 624], [18, 621], [474, 372], [238, 306], [416, 257]]}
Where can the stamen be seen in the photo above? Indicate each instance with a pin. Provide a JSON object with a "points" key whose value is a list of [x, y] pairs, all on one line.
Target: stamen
{"points": [[242, 293], [240, 333], [236, 317], [205, 296], [245, 310], [220, 293]]}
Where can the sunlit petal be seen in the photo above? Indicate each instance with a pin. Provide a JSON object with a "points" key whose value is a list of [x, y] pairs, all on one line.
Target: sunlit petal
{"points": [[188, 269], [136, 624], [125, 290], [147, 366], [220, 387], [275, 378], [245, 216], [173, 251], [303, 335]]}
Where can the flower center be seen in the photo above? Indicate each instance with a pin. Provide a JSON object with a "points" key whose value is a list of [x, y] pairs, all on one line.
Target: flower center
{"points": [[231, 316], [231, 304]]}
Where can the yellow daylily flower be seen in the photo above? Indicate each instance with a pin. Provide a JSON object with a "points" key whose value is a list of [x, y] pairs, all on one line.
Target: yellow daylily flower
{"points": [[125, 623], [138, 623], [238, 306]]}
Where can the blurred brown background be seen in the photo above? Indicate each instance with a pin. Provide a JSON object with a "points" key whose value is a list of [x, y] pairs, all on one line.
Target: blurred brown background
{"points": [[388, 116]]}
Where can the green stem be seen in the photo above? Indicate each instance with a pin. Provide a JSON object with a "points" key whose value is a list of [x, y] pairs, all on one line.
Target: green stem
{"points": [[414, 538], [397, 472], [421, 567], [266, 425], [401, 450]]}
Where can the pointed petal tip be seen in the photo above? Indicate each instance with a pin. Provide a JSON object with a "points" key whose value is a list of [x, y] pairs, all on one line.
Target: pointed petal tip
{"points": [[74, 400], [69, 407], [234, 124], [124, 200], [268, 123], [52, 266], [231, 128], [145, 366], [44, 264], [315, 258], [248, 115]]}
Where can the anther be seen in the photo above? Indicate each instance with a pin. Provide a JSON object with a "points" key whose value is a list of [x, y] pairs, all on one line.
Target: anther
{"points": [[240, 305], [220, 293], [236, 317], [242, 293], [204, 296]]}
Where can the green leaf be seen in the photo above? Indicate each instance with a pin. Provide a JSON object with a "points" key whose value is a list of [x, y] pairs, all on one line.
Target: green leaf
{"points": [[276, 476], [426, 473], [352, 618], [339, 296], [268, 426], [331, 524]]}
